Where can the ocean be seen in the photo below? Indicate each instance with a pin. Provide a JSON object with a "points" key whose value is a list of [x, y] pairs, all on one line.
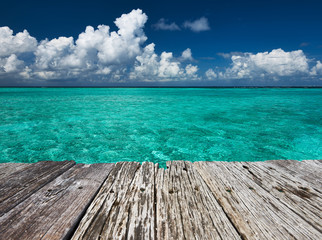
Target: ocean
{"points": [[95, 125]]}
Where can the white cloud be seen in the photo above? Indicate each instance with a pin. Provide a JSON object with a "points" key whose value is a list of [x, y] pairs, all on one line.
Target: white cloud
{"points": [[317, 69], [191, 69], [187, 55], [13, 64], [95, 47], [51, 54], [15, 44], [10, 64], [146, 65], [274, 64], [168, 67], [99, 54], [149, 66], [163, 25], [210, 74], [104, 70], [229, 55], [198, 25], [95, 51], [125, 44]]}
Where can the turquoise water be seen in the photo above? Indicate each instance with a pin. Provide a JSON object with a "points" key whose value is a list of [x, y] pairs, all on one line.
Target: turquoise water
{"points": [[93, 125]]}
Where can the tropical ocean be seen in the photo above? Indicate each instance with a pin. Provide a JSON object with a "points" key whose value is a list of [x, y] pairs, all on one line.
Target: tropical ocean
{"points": [[92, 125]]}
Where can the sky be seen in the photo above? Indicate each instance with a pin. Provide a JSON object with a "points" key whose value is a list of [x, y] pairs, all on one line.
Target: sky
{"points": [[161, 43]]}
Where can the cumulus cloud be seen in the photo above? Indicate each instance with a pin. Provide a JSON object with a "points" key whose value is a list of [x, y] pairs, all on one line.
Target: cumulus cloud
{"points": [[191, 69], [210, 74], [10, 64], [163, 25], [52, 54], [168, 67], [161, 68], [198, 25], [101, 55], [274, 64], [317, 69], [187, 55], [95, 47], [95, 51], [15, 44]]}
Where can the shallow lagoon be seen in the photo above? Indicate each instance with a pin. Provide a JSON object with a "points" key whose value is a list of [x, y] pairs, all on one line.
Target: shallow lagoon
{"points": [[91, 125]]}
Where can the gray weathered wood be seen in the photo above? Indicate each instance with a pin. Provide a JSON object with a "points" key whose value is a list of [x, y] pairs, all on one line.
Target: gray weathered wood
{"points": [[300, 169], [202, 200], [21, 184], [54, 211], [111, 207], [169, 220], [255, 212], [141, 212], [186, 208], [295, 193], [8, 168]]}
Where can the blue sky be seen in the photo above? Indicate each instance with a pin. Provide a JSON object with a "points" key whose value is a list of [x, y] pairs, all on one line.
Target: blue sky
{"points": [[168, 43]]}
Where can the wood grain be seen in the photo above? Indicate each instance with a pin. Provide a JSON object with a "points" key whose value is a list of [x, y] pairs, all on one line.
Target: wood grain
{"points": [[255, 212], [21, 184], [54, 211], [7, 169], [111, 207], [297, 194], [186, 208], [127, 200]]}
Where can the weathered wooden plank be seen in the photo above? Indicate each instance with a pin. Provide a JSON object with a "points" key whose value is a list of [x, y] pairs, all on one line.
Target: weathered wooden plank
{"points": [[141, 222], [295, 193], [19, 185], [8, 168], [162, 222], [299, 169], [317, 163], [315, 166], [220, 225], [135, 219], [169, 219], [54, 211], [186, 208], [111, 206], [220, 200], [255, 212]]}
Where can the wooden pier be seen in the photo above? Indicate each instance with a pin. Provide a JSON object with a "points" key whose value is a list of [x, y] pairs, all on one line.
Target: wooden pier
{"points": [[203, 200]]}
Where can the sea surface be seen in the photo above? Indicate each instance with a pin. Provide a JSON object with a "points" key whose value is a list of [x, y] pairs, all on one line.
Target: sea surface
{"points": [[93, 125]]}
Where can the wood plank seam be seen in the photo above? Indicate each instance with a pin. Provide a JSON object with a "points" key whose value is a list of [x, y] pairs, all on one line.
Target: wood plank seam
{"points": [[62, 199], [156, 167], [180, 208], [209, 174], [274, 197], [129, 212], [96, 216], [203, 187], [223, 209], [65, 168], [192, 193], [72, 230]]}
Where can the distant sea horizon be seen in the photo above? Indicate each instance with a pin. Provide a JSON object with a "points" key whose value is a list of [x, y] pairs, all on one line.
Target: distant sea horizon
{"points": [[159, 124], [160, 86]]}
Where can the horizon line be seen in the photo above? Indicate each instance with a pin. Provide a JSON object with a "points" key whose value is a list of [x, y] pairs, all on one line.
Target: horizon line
{"points": [[160, 86]]}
